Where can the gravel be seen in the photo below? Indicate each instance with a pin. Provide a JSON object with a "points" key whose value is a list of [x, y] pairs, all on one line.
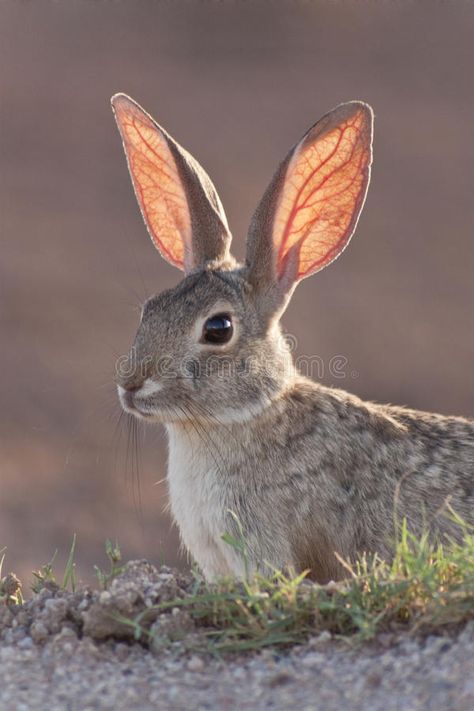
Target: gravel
{"points": [[71, 651]]}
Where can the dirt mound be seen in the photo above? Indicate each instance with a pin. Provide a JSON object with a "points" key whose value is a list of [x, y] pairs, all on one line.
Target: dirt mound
{"points": [[128, 610]]}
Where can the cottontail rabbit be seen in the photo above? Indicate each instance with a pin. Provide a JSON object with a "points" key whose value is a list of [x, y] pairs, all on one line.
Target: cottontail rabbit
{"points": [[301, 470]]}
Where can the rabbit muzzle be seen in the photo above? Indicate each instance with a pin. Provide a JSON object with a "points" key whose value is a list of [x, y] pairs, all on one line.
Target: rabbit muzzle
{"points": [[135, 398]]}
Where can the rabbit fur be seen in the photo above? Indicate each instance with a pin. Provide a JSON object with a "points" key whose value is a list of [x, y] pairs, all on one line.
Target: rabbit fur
{"points": [[307, 475]]}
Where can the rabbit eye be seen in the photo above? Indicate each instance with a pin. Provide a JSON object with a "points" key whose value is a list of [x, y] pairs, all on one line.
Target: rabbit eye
{"points": [[218, 329]]}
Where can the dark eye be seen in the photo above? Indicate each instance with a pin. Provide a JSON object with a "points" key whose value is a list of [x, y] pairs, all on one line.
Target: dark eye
{"points": [[218, 329]]}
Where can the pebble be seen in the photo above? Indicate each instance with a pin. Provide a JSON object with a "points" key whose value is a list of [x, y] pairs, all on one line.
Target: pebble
{"points": [[38, 632], [312, 659], [195, 664]]}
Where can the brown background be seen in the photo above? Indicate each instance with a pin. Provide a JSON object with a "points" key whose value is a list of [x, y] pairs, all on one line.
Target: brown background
{"points": [[237, 84]]}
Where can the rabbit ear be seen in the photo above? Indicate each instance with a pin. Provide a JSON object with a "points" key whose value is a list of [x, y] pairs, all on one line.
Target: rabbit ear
{"points": [[177, 199], [311, 207]]}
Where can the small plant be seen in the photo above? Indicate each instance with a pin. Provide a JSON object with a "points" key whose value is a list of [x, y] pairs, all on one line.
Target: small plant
{"points": [[114, 555], [238, 544], [10, 586], [45, 575]]}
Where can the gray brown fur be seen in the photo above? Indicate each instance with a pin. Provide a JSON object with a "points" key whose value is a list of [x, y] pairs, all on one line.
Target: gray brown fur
{"points": [[309, 471], [318, 470]]}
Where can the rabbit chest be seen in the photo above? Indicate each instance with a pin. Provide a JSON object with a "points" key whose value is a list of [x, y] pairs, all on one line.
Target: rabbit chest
{"points": [[200, 501]]}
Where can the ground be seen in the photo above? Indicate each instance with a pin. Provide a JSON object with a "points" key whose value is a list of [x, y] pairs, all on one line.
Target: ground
{"points": [[64, 650]]}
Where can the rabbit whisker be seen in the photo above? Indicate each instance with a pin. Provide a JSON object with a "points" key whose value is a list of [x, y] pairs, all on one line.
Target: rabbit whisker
{"points": [[204, 436]]}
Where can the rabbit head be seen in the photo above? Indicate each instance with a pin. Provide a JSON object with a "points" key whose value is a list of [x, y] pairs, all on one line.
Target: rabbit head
{"points": [[212, 348]]}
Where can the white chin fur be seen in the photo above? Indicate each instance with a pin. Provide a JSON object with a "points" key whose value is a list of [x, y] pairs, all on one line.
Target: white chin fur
{"points": [[150, 387], [229, 415], [141, 408]]}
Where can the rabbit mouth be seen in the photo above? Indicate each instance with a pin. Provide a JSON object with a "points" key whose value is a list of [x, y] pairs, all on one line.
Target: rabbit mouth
{"points": [[136, 402]]}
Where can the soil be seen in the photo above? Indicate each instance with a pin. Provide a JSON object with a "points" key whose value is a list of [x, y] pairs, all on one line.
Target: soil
{"points": [[63, 650]]}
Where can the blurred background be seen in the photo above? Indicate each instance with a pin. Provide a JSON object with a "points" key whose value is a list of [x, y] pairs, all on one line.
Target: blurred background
{"points": [[237, 84]]}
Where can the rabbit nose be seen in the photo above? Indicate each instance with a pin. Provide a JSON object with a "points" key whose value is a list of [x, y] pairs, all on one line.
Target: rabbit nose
{"points": [[131, 382], [131, 387]]}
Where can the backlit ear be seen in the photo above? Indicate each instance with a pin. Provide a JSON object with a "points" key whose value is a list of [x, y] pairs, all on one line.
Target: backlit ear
{"points": [[310, 210], [177, 199]]}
